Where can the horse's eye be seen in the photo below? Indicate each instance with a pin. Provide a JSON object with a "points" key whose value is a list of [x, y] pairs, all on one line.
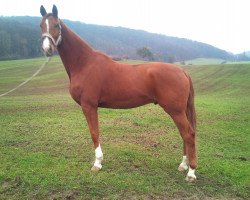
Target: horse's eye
{"points": [[56, 26]]}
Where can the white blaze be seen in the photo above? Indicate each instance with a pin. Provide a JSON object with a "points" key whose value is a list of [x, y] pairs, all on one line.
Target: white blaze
{"points": [[46, 43], [47, 24]]}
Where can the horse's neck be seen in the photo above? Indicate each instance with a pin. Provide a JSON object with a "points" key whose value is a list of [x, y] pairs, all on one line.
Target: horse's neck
{"points": [[73, 51]]}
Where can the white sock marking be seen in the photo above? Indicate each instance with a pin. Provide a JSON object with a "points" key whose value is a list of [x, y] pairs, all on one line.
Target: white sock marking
{"points": [[191, 173], [98, 157], [184, 163], [98, 152]]}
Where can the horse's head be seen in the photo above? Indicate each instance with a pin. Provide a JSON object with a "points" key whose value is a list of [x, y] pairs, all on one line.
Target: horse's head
{"points": [[51, 30]]}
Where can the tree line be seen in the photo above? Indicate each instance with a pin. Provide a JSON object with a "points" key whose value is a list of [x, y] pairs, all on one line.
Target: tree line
{"points": [[20, 38]]}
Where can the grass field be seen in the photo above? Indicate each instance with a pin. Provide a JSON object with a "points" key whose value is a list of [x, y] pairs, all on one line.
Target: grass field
{"points": [[204, 61], [211, 61], [46, 151]]}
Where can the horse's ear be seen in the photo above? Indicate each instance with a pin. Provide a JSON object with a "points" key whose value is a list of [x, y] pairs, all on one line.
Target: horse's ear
{"points": [[55, 11], [42, 10]]}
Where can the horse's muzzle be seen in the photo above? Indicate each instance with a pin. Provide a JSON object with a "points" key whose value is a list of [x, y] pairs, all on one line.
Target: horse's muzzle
{"points": [[48, 52], [47, 47]]}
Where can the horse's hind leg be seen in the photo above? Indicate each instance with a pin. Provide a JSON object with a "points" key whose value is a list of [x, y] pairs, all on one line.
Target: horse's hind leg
{"points": [[188, 136]]}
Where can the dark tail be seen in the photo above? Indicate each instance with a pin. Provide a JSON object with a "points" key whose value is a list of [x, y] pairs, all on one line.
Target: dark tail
{"points": [[190, 112]]}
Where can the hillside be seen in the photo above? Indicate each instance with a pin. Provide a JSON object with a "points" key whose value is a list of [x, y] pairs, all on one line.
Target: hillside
{"points": [[247, 53], [19, 38], [244, 56]]}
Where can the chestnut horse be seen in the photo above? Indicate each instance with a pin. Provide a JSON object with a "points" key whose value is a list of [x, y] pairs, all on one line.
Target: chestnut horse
{"points": [[98, 81]]}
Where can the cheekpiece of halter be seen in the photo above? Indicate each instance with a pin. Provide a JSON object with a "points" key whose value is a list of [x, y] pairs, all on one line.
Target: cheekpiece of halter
{"points": [[59, 39]]}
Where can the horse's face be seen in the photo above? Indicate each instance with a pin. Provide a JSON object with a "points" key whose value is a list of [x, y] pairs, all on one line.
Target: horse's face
{"points": [[51, 31]]}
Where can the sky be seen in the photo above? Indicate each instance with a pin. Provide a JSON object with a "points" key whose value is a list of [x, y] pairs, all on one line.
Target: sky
{"points": [[221, 23]]}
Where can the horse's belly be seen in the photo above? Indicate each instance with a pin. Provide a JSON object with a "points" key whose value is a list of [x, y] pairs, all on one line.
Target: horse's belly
{"points": [[124, 103]]}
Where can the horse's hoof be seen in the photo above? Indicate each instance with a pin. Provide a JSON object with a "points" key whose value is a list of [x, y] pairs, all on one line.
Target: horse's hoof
{"points": [[95, 168], [191, 179], [182, 168]]}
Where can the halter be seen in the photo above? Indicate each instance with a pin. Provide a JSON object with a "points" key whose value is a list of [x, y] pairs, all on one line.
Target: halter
{"points": [[59, 39]]}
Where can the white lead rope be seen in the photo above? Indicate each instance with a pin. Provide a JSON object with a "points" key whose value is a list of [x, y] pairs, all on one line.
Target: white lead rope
{"points": [[28, 79]]}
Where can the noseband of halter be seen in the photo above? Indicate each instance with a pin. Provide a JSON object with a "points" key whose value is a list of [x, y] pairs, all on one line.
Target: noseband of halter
{"points": [[55, 42]]}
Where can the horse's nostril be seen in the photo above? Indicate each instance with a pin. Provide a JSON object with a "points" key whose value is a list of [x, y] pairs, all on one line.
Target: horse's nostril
{"points": [[48, 51]]}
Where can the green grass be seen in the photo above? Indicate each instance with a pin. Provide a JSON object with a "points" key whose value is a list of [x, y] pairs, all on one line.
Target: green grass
{"points": [[204, 61], [211, 61], [46, 151]]}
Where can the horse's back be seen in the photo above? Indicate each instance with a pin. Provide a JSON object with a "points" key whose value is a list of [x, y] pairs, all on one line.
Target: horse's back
{"points": [[164, 75]]}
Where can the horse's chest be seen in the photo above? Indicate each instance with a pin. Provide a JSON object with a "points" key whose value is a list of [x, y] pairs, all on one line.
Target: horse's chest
{"points": [[75, 92]]}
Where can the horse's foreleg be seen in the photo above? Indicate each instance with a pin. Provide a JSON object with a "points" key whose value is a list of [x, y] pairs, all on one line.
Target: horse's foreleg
{"points": [[90, 113], [184, 164]]}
